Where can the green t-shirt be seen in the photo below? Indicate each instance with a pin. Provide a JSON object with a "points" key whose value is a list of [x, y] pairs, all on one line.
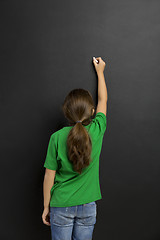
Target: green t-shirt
{"points": [[71, 188]]}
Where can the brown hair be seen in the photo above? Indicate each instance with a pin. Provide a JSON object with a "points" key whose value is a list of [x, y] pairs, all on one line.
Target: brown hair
{"points": [[78, 106]]}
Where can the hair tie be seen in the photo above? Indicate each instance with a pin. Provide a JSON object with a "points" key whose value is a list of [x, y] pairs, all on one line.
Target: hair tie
{"points": [[78, 121]]}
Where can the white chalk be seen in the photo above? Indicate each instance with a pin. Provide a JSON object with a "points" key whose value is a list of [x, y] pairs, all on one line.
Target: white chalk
{"points": [[95, 59]]}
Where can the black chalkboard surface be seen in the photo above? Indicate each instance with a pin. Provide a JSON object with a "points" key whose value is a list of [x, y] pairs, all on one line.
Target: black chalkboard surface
{"points": [[46, 50]]}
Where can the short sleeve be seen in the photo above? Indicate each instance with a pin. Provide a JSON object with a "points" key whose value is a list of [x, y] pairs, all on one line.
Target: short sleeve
{"points": [[51, 157], [99, 124]]}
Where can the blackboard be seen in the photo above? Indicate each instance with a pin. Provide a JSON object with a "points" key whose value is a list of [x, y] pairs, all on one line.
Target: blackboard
{"points": [[46, 51]]}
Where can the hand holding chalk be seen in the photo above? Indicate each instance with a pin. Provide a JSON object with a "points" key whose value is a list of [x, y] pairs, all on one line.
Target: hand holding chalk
{"points": [[95, 59], [99, 64]]}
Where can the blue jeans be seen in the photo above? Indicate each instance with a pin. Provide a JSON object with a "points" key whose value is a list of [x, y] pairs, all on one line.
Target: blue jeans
{"points": [[73, 223]]}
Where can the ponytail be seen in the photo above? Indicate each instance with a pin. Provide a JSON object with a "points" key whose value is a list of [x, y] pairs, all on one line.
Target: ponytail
{"points": [[79, 147]]}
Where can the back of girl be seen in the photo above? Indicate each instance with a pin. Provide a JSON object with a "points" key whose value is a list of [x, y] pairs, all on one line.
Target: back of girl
{"points": [[71, 183]]}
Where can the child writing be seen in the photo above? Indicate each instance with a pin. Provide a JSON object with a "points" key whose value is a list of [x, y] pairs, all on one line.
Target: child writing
{"points": [[71, 182]]}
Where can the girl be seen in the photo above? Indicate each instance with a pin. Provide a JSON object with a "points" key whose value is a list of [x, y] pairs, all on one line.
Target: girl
{"points": [[71, 181]]}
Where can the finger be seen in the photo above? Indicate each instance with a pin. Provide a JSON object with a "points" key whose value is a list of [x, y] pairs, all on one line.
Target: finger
{"points": [[48, 224], [94, 58], [94, 61], [45, 222], [99, 58]]}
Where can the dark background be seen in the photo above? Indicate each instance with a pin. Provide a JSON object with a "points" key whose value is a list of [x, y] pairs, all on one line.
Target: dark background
{"points": [[46, 51]]}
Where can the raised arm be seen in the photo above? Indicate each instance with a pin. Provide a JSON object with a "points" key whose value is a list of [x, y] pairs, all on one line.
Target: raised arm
{"points": [[102, 89]]}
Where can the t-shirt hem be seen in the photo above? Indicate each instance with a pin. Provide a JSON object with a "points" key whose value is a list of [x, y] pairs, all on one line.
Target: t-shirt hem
{"points": [[74, 203]]}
